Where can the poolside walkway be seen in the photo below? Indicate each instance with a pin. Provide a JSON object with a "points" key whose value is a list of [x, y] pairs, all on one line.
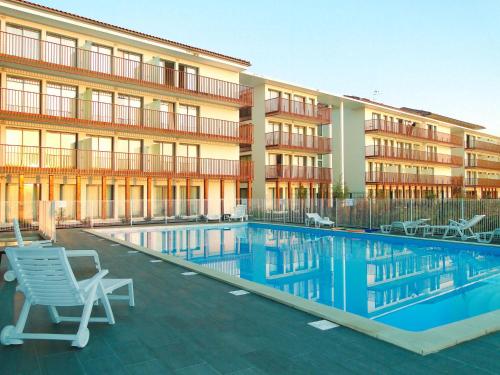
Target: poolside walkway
{"points": [[193, 325]]}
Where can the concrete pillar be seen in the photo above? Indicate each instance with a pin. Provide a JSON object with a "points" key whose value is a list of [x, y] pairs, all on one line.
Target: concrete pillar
{"points": [[149, 188], [20, 198]]}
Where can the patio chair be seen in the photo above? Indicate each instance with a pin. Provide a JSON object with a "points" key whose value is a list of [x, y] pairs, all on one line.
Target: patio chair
{"points": [[46, 278], [461, 228], [489, 237], [318, 221], [240, 213], [19, 237], [409, 227], [212, 217]]}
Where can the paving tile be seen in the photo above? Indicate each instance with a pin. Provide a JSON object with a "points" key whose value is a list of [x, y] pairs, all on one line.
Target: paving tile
{"points": [[65, 363], [201, 369], [130, 352], [153, 367], [104, 365]]}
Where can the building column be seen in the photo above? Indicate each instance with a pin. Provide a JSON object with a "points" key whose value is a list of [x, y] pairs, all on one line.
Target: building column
{"points": [[222, 197], [311, 195], [103, 198], [127, 198], [188, 196], [249, 196], [238, 198], [78, 197], [205, 196], [149, 203], [277, 194], [20, 198], [51, 187], [169, 197], [289, 193]]}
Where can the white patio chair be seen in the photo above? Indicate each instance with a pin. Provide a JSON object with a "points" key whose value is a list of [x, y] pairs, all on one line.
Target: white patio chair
{"points": [[20, 240], [240, 213], [409, 227], [318, 221], [489, 237], [461, 228], [46, 278], [212, 217]]}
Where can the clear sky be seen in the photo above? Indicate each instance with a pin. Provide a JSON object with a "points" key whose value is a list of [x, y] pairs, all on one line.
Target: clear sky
{"points": [[443, 56]]}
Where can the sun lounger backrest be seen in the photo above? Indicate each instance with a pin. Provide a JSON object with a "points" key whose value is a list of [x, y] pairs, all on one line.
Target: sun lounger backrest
{"points": [[476, 219], [45, 276], [17, 233]]}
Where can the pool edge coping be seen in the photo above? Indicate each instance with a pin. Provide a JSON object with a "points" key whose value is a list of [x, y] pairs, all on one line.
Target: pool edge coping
{"points": [[423, 343]]}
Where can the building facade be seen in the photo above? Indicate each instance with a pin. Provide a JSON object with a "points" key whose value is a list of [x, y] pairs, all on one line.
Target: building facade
{"points": [[292, 145], [114, 123]]}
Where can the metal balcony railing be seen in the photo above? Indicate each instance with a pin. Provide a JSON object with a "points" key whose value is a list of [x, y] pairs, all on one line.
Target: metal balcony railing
{"points": [[304, 111], [387, 152], [294, 141], [298, 173]]}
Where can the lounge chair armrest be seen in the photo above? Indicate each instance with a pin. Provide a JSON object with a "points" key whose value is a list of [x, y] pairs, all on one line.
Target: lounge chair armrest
{"points": [[454, 222], [95, 279], [85, 253]]}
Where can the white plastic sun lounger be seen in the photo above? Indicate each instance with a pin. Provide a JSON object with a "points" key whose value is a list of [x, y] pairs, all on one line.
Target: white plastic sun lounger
{"points": [[462, 228], [46, 278], [409, 228], [213, 217], [489, 237], [318, 221], [240, 213], [20, 240]]}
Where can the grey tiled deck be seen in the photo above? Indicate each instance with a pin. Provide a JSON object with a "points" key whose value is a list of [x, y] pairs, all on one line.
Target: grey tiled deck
{"points": [[192, 325]]}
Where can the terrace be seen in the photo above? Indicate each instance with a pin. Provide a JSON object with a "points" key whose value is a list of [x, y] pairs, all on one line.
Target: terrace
{"points": [[293, 109], [482, 146], [482, 164], [301, 142], [32, 106], [482, 182], [298, 173], [39, 53], [194, 326], [395, 153], [411, 179]]}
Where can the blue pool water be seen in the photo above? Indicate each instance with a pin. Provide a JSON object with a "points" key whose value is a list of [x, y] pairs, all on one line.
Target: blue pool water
{"points": [[410, 284]]}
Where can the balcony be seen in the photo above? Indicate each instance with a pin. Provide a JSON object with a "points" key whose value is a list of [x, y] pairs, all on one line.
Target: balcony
{"points": [[29, 106], [301, 142], [411, 132], [297, 110], [39, 53], [298, 173], [47, 160], [482, 164], [394, 153], [483, 146], [411, 179], [483, 182]]}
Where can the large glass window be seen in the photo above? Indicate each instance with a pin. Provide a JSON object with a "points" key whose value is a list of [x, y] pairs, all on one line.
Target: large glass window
{"points": [[22, 41], [161, 157], [102, 106], [61, 151], [23, 95], [101, 57], [187, 121], [61, 100], [188, 77], [187, 155], [60, 50], [22, 147], [100, 155], [128, 110], [128, 154], [129, 64]]}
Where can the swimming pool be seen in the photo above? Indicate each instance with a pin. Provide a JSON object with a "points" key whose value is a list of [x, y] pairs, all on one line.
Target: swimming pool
{"points": [[413, 285]]}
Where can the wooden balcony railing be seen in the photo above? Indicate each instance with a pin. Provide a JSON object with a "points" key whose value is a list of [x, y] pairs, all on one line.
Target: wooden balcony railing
{"points": [[387, 152], [411, 179], [294, 141], [36, 160], [482, 164], [483, 146], [40, 107], [483, 182], [300, 110], [36, 52], [298, 173], [412, 132]]}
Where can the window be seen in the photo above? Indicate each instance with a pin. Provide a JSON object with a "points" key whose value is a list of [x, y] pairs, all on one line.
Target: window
{"points": [[128, 154], [164, 148], [22, 41], [23, 95], [100, 156], [166, 72], [101, 57], [128, 110], [299, 104], [188, 76], [60, 50], [129, 64], [102, 106], [166, 114], [187, 150], [162, 156], [187, 155], [22, 147], [188, 119], [61, 152], [61, 100], [273, 127]]}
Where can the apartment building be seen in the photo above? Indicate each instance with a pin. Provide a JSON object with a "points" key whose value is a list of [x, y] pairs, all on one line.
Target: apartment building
{"points": [[384, 151], [113, 123], [292, 146]]}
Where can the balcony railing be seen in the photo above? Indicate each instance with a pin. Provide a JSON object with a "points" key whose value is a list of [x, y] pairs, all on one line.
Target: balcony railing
{"points": [[411, 179], [36, 52], [407, 131], [296, 109], [387, 152], [482, 164], [35, 106], [482, 182], [298, 173], [483, 146], [294, 141], [32, 159]]}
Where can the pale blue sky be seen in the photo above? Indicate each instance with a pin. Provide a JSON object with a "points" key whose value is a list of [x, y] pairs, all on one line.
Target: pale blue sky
{"points": [[443, 56]]}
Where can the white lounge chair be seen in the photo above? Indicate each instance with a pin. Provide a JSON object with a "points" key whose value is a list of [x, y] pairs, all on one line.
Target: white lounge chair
{"points": [[318, 221], [489, 237], [212, 217], [240, 213], [409, 227], [46, 278], [461, 228], [19, 237]]}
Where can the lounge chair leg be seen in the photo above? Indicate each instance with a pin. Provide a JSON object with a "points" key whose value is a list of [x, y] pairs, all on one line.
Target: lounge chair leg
{"points": [[131, 298], [9, 334], [54, 315], [105, 302], [82, 336]]}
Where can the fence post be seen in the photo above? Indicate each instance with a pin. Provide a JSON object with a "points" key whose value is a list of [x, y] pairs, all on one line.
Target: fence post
{"points": [[462, 209], [411, 209], [370, 211]]}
